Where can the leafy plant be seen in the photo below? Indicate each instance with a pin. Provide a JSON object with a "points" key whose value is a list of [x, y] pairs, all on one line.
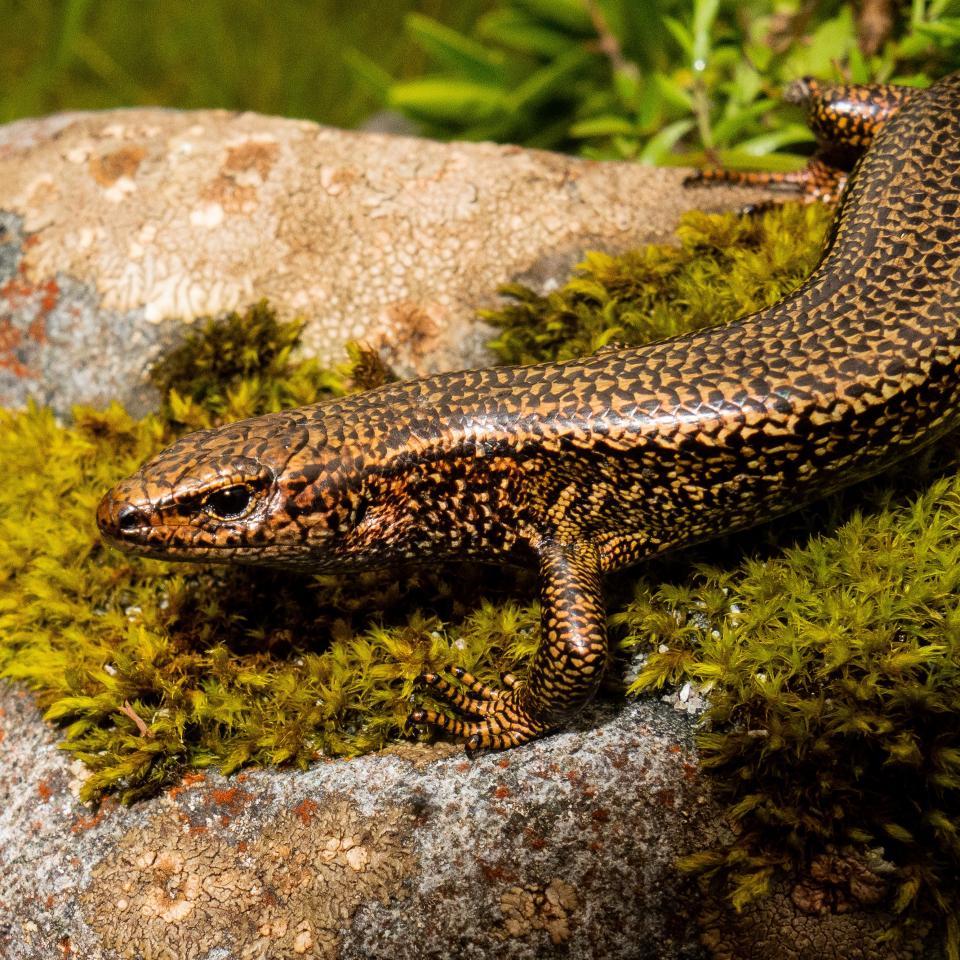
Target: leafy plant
{"points": [[668, 81], [281, 58]]}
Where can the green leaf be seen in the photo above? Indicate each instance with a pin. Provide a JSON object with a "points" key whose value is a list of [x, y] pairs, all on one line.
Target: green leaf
{"points": [[704, 15], [605, 125], [768, 142], [570, 15], [946, 30], [439, 100], [657, 147], [673, 92], [460, 54], [516, 31], [681, 34], [628, 83], [549, 79], [739, 117], [368, 72]]}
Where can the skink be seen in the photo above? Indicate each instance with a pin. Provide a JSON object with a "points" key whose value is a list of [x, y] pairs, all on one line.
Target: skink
{"points": [[586, 466]]}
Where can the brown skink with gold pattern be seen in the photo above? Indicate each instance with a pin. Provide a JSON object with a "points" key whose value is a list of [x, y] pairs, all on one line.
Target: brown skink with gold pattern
{"points": [[586, 466]]}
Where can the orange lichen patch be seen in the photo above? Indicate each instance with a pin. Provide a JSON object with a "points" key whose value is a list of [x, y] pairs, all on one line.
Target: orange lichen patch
{"points": [[43, 789], [337, 180], [258, 155], [232, 798], [20, 294], [247, 166], [531, 908], [411, 331], [50, 295], [233, 197], [83, 823], [288, 894], [188, 780], [306, 809], [110, 167], [10, 340], [17, 291]]}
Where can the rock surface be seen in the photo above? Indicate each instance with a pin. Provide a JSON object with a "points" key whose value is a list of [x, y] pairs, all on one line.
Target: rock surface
{"points": [[561, 848], [116, 228]]}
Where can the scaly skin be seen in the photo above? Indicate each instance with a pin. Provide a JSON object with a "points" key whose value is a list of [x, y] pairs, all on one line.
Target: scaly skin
{"points": [[586, 466]]}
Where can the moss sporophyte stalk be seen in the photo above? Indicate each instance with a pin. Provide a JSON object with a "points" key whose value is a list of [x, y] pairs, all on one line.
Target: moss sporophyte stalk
{"points": [[831, 658]]}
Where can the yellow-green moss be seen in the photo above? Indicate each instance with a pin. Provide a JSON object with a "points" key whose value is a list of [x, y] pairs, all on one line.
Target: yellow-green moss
{"points": [[223, 666], [723, 267], [833, 663]]}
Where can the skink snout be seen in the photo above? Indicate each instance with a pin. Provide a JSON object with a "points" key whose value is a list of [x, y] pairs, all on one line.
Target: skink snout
{"points": [[118, 519], [130, 517]]}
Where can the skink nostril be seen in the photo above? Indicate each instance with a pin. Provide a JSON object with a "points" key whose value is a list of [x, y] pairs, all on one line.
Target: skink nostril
{"points": [[130, 517]]}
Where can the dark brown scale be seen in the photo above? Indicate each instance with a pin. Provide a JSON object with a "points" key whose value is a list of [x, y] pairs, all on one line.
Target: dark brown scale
{"points": [[586, 466]]}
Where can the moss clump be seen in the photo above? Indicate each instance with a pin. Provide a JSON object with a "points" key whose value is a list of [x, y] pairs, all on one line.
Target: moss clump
{"points": [[237, 367], [724, 267], [153, 667]]}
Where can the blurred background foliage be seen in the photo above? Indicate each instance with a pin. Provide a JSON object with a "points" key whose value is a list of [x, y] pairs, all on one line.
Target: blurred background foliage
{"points": [[663, 80], [285, 57], [654, 80]]}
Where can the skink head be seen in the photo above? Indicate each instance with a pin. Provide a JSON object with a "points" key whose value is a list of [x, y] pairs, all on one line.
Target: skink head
{"points": [[287, 489], [216, 495]]}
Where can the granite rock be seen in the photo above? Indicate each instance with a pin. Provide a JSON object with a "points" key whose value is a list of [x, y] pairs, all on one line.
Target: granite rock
{"points": [[118, 228]]}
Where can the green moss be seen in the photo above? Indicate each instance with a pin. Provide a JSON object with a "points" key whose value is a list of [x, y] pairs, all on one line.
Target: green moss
{"points": [[724, 266], [223, 666], [238, 367], [832, 662]]}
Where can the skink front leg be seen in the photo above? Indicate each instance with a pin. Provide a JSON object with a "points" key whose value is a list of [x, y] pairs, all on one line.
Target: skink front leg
{"points": [[565, 672]]}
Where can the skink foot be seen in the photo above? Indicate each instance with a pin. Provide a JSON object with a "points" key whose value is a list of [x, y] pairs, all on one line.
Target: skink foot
{"points": [[503, 721]]}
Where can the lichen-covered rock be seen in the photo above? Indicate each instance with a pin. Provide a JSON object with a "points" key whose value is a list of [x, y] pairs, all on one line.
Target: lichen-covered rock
{"points": [[118, 227], [565, 847]]}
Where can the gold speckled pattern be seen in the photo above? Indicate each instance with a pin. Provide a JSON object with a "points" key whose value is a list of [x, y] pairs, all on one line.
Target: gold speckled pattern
{"points": [[593, 464]]}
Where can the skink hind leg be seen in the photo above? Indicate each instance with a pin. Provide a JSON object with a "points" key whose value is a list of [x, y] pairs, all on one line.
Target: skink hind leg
{"points": [[844, 118], [565, 672], [817, 181]]}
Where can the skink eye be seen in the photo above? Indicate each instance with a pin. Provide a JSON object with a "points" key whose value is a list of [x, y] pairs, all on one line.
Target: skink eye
{"points": [[230, 503]]}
